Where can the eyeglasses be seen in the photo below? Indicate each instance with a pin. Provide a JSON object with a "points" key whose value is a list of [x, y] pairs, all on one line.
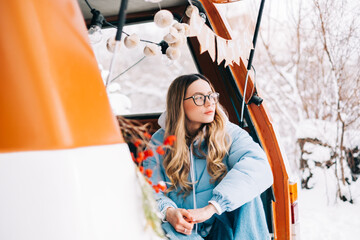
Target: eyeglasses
{"points": [[200, 99]]}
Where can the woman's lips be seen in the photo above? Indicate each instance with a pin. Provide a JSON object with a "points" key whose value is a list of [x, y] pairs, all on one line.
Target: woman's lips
{"points": [[209, 112]]}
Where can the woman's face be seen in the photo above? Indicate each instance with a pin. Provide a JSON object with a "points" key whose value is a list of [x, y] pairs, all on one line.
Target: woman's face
{"points": [[197, 115]]}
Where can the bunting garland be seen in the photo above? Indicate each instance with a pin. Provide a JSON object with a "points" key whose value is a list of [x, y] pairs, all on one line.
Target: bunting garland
{"points": [[228, 50], [221, 49]]}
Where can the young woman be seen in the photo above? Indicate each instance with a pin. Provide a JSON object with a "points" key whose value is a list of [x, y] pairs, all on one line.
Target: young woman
{"points": [[215, 172]]}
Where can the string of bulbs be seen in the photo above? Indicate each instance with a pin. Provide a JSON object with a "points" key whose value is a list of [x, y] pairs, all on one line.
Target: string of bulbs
{"points": [[164, 18]]}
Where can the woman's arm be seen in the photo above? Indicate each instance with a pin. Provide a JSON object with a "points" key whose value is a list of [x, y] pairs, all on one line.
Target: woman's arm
{"points": [[202, 214], [179, 218], [249, 175], [155, 163]]}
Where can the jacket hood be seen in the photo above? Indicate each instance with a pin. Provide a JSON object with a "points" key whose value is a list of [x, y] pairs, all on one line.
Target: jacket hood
{"points": [[162, 119]]}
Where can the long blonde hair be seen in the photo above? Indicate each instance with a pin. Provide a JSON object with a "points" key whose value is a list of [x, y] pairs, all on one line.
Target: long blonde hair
{"points": [[177, 161]]}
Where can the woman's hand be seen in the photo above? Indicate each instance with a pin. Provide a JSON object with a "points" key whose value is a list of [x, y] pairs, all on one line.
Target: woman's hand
{"points": [[180, 219], [202, 214]]}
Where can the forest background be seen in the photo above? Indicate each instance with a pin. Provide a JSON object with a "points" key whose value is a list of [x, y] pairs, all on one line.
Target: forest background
{"points": [[308, 71]]}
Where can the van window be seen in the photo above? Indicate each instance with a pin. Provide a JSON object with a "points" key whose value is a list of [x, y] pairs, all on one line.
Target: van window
{"points": [[139, 84]]}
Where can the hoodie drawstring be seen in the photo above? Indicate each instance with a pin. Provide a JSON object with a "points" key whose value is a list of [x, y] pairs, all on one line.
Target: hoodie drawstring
{"points": [[192, 176]]}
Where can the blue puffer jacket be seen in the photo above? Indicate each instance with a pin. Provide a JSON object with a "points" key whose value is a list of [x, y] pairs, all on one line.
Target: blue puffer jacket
{"points": [[249, 174]]}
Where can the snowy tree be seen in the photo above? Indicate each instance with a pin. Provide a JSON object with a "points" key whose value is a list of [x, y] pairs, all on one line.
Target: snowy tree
{"points": [[318, 75], [308, 68]]}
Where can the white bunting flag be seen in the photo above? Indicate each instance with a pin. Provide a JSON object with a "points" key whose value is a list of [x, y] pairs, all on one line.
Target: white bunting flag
{"points": [[203, 39], [237, 54], [229, 52], [207, 41], [196, 24], [212, 48], [221, 49]]}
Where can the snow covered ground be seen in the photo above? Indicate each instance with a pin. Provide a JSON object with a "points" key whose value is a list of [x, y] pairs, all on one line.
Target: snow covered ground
{"points": [[322, 214], [323, 217]]}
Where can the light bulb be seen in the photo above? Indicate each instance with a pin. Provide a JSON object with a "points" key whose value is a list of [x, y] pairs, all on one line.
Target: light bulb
{"points": [[95, 34], [94, 31]]}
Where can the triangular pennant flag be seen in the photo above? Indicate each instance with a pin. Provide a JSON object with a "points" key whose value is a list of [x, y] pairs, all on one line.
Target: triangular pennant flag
{"points": [[229, 52], [237, 53], [221, 49], [192, 31], [202, 38], [232, 46], [196, 24], [211, 48], [207, 40]]}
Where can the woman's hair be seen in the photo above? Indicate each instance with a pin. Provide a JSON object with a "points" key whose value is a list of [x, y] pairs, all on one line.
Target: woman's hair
{"points": [[177, 160]]}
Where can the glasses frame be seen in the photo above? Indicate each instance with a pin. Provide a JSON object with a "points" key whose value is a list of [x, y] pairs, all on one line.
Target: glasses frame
{"points": [[216, 100]]}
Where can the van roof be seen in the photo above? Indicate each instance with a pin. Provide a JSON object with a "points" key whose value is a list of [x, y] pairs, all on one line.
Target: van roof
{"points": [[110, 8]]}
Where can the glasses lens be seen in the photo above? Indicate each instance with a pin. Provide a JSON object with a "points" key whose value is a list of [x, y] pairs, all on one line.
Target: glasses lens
{"points": [[199, 100], [214, 97]]}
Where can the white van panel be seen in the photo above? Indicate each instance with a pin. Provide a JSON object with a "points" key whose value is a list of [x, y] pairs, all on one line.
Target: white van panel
{"points": [[84, 193]]}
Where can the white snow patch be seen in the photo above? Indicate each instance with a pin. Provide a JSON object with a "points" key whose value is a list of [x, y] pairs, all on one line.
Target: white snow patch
{"points": [[326, 132], [322, 216]]}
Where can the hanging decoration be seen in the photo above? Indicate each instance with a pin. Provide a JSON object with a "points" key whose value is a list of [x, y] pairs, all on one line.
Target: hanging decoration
{"points": [[219, 49], [175, 38], [172, 41], [163, 18], [172, 36], [131, 41], [110, 44], [173, 53], [227, 49], [178, 43], [151, 50], [179, 27], [190, 10]]}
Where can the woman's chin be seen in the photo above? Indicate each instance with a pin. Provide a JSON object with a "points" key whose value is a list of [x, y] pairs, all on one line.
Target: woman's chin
{"points": [[209, 119]]}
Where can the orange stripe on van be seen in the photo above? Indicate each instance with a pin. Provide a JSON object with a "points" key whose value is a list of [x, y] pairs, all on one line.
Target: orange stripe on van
{"points": [[51, 93]]}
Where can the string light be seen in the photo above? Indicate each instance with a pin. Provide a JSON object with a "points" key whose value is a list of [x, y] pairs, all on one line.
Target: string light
{"points": [[175, 38], [98, 20], [94, 31]]}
